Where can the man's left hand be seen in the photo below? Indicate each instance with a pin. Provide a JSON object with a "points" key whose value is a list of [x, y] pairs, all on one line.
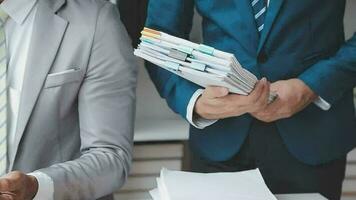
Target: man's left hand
{"points": [[18, 186], [293, 96]]}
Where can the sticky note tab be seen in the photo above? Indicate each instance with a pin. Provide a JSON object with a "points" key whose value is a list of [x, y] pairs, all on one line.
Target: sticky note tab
{"points": [[172, 65], [147, 40], [206, 49]]}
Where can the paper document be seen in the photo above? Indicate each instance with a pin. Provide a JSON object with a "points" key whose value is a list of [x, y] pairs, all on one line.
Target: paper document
{"points": [[300, 197], [177, 185], [198, 63]]}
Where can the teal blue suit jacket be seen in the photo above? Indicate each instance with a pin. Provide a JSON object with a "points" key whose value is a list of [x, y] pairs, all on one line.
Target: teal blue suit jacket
{"points": [[302, 39]]}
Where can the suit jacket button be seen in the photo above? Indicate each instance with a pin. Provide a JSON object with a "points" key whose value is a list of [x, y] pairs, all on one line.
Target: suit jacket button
{"points": [[262, 57]]}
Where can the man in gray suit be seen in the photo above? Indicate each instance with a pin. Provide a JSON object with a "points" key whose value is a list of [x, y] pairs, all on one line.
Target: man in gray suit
{"points": [[67, 98]]}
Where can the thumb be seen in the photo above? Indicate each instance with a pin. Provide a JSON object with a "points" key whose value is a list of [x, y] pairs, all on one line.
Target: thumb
{"points": [[216, 92], [6, 185]]}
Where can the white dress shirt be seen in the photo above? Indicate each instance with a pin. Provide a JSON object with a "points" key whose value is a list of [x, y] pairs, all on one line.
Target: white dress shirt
{"points": [[18, 30], [201, 123]]}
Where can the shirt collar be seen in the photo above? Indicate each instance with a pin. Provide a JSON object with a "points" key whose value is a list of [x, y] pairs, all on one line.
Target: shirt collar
{"points": [[18, 10]]}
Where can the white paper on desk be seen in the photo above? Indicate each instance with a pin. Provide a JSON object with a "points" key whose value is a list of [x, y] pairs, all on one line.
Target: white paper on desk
{"points": [[162, 190], [155, 194], [247, 185], [300, 197]]}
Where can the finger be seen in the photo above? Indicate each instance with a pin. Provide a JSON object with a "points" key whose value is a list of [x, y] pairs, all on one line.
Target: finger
{"points": [[257, 91], [215, 92], [5, 196], [255, 100], [263, 100], [213, 99]]}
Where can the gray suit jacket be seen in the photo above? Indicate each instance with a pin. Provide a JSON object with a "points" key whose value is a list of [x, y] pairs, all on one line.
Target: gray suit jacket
{"points": [[77, 106]]}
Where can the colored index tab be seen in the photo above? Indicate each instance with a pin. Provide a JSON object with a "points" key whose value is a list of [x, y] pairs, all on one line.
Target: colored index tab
{"points": [[149, 34], [151, 31], [206, 49], [146, 39], [172, 65]]}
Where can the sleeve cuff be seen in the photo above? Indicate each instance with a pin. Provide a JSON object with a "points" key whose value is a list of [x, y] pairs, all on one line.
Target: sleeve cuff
{"points": [[197, 122], [45, 186], [321, 103]]}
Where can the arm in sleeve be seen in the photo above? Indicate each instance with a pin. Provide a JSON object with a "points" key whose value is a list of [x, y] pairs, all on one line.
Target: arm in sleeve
{"points": [[176, 19], [194, 120], [332, 77], [106, 105]]}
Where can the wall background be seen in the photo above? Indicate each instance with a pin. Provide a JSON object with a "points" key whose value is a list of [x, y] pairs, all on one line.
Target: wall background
{"points": [[350, 18]]}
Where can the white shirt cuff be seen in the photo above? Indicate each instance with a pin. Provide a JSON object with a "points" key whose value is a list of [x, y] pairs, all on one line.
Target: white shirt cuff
{"points": [[197, 122], [321, 103], [45, 186]]}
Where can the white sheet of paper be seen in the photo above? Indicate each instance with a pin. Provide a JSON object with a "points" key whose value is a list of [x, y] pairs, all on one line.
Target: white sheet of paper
{"points": [[247, 185], [203, 79], [300, 197], [155, 194]]}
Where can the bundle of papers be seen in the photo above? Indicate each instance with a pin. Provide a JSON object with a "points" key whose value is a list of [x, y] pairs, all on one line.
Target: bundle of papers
{"points": [[177, 185], [198, 63]]}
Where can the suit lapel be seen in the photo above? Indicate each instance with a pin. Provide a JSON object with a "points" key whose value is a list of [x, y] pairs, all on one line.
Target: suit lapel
{"points": [[272, 12], [247, 35], [46, 38]]}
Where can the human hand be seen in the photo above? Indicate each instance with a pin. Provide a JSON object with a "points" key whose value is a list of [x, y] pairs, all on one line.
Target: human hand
{"points": [[293, 96], [217, 103], [18, 186]]}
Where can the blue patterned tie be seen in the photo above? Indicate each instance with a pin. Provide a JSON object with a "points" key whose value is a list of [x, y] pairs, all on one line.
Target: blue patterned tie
{"points": [[259, 10]]}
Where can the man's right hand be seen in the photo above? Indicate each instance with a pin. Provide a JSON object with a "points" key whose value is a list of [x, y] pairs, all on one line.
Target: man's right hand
{"points": [[216, 102]]}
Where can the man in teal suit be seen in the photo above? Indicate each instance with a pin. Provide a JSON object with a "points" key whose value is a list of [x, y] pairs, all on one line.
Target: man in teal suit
{"points": [[299, 46]]}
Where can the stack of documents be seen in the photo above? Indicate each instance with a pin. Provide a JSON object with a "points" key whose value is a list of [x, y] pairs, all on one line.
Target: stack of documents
{"points": [[198, 63], [177, 185]]}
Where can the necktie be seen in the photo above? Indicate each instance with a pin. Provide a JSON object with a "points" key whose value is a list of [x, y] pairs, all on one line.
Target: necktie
{"points": [[3, 95], [259, 10]]}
